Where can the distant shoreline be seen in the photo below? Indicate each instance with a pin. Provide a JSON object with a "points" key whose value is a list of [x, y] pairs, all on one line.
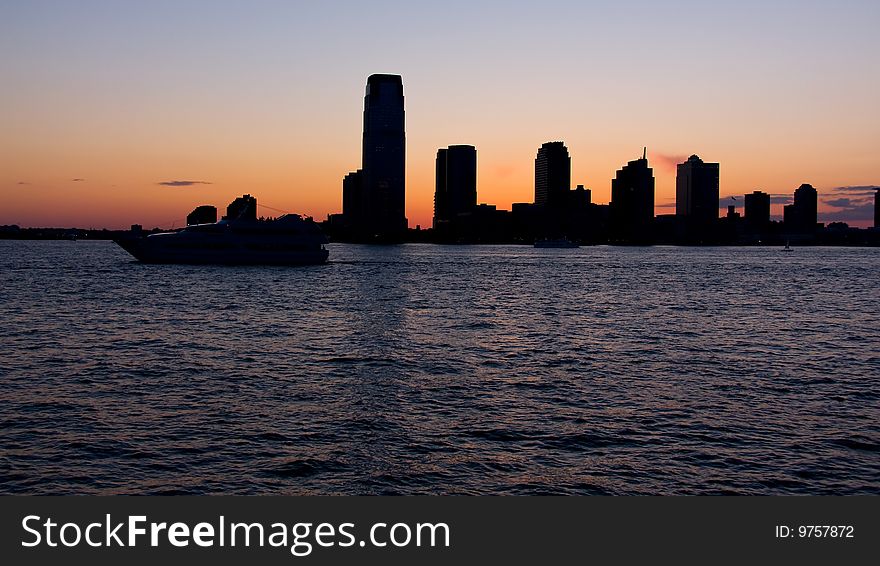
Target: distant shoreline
{"points": [[850, 237]]}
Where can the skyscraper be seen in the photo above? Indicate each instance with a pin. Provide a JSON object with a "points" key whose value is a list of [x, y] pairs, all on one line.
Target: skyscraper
{"points": [[632, 201], [801, 216], [441, 195], [384, 158], [552, 175], [456, 182], [757, 208], [696, 191], [353, 199], [877, 209]]}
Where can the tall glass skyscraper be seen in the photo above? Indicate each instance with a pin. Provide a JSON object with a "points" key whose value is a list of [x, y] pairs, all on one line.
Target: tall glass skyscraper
{"points": [[552, 175], [696, 191], [384, 158], [456, 182]]}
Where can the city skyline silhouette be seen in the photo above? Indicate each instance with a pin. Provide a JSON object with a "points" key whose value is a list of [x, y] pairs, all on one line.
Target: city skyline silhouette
{"points": [[373, 199]]}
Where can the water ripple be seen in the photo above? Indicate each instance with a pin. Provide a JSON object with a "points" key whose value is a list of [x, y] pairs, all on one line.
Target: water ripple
{"points": [[427, 369]]}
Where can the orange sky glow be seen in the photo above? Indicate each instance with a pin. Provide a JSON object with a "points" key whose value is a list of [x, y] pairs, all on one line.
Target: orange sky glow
{"points": [[98, 109]]}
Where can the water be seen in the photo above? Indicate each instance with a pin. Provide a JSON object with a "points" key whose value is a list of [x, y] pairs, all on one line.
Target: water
{"points": [[426, 369]]}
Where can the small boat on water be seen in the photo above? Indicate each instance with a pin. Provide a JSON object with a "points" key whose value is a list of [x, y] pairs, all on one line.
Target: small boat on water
{"points": [[287, 240], [787, 247], [556, 243]]}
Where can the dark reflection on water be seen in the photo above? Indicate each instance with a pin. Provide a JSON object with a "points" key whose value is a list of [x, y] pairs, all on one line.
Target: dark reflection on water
{"points": [[423, 369]]}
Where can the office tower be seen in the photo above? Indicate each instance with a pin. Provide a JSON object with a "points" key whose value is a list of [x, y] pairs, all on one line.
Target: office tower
{"points": [[877, 209], [205, 214], [456, 182], [441, 198], [552, 175], [757, 209], [353, 199], [632, 201], [732, 214], [580, 198], [801, 216], [384, 157], [242, 208], [696, 191]]}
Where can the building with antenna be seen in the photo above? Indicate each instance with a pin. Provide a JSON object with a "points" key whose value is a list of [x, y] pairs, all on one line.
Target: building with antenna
{"points": [[632, 202]]}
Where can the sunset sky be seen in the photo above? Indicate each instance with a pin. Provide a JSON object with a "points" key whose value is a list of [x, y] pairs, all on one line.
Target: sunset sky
{"points": [[121, 112]]}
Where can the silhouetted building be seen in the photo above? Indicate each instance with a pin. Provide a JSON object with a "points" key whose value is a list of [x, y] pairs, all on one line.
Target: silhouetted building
{"points": [[732, 214], [242, 208], [632, 202], [552, 175], [696, 192], [801, 216], [727, 230], [455, 190], [384, 158], [483, 223], [353, 205], [205, 214], [877, 209], [757, 210], [441, 194], [580, 197]]}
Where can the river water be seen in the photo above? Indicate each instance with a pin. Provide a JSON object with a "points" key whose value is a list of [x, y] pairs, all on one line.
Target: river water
{"points": [[421, 369]]}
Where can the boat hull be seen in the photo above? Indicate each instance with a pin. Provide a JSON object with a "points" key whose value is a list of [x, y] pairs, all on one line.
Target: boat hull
{"points": [[147, 252], [288, 241]]}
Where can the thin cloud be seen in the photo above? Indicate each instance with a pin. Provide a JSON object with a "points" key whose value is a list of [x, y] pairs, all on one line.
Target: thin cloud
{"points": [[840, 202], [667, 162], [852, 203], [863, 211], [23, 183], [182, 183], [77, 180], [504, 170], [858, 190]]}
